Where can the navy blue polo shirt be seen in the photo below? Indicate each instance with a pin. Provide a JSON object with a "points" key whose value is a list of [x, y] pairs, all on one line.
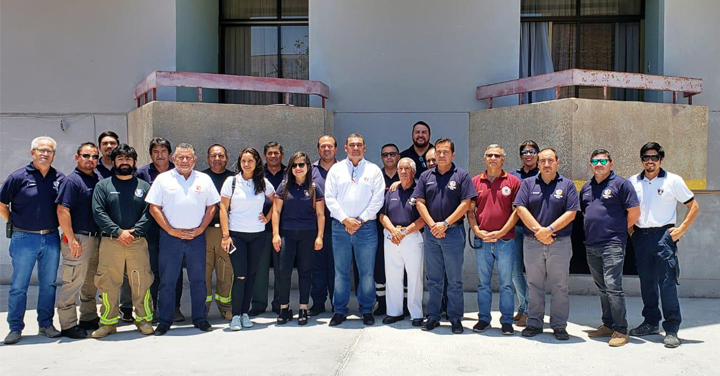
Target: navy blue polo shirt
{"points": [[420, 160], [31, 198], [605, 207], [444, 192], [547, 202], [149, 172], [522, 175], [319, 174], [103, 171], [400, 207], [390, 180], [298, 212], [76, 194], [275, 180]]}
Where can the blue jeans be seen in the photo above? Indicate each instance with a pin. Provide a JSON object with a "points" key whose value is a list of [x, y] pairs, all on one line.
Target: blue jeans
{"points": [[364, 242], [518, 276], [172, 251], [323, 269], [444, 257], [503, 251], [25, 250], [606, 266], [658, 269]]}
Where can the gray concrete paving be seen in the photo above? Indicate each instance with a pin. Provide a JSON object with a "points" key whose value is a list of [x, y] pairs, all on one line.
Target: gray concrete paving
{"points": [[351, 349]]}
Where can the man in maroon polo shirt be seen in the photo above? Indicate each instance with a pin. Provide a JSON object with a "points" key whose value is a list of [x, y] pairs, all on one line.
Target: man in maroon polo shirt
{"points": [[492, 220]]}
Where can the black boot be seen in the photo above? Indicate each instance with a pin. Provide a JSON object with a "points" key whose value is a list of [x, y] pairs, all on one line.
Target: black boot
{"points": [[303, 317], [284, 316]]}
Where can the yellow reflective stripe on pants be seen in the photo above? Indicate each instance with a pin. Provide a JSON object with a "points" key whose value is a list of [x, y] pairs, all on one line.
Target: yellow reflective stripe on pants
{"points": [[146, 303], [103, 318], [208, 299], [223, 299]]}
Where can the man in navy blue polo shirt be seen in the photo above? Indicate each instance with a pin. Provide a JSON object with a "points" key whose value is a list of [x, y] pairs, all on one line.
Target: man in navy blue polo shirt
{"points": [[323, 270], [610, 205], [443, 197], [419, 148], [27, 200], [107, 142], [79, 245], [274, 172], [547, 205], [655, 239], [529, 156], [160, 150]]}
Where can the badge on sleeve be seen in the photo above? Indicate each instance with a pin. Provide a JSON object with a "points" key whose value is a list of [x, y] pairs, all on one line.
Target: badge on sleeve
{"points": [[139, 193], [505, 191], [452, 185], [607, 193], [558, 193]]}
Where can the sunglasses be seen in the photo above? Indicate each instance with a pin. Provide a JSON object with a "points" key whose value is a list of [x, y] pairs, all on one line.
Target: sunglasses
{"points": [[602, 161], [298, 165], [654, 158], [496, 156], [389, 154], [88, 156], [526, 152]]}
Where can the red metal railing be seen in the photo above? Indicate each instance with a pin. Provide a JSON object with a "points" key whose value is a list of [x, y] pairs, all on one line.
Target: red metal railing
{"points": [[596, 78], [202, 81]]}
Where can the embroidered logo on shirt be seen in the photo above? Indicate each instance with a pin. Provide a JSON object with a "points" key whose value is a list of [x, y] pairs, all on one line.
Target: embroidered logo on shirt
{"points": [[537, 193], [660, 191], [607, 193], [198, 189], [139, 192], [412, 201], [558, 193], [56, 184], [452, 185], [307, 194], [430, 183], [505, 191]]}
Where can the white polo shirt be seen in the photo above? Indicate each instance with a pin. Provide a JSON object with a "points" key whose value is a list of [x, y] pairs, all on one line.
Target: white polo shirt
{"points": [[245, 205], [183, 201], [659, 198], [354, 191]]}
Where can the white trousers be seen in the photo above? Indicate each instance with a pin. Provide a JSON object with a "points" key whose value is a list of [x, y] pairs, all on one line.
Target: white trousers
{"points": [[407, 256]]}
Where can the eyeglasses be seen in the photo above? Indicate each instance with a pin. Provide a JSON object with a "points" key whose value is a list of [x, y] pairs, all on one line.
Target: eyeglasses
{"points": [[88, 156], [45, 151], [389, 154], [654, 158], [526, 152], [496, 156], [602, 161], [298, 165]]}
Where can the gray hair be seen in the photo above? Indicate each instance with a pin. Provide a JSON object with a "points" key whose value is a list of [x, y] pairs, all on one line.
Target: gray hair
{"points": [[36, 142], [183, 146], [409, 160], [496, 146]]}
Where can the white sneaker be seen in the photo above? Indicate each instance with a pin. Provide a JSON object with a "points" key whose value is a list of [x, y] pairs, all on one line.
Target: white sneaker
{"points": [[246, 323], [236, 323]]}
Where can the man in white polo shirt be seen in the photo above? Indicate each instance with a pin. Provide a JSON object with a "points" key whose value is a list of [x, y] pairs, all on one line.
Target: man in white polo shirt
{"points": [[182, 201], [354, 193], [655, 238]]}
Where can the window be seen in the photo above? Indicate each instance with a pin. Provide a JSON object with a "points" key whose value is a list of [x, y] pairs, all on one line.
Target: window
{"points": [[586, 34], [264, 38]]}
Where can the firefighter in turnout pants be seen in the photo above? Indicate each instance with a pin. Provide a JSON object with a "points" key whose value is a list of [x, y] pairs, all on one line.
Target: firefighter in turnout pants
{"points": [[120, 211]]}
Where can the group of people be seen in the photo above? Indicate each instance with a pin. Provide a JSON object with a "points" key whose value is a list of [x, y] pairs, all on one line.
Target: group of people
{"points": [[129, 232]]}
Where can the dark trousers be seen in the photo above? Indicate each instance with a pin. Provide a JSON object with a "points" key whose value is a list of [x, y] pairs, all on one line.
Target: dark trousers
{"points": [[658, 269], [153, 240], [302, 245], [172, 252], [606, 266], [245, 262], [262, 277], [444, 259], [323, 269]]}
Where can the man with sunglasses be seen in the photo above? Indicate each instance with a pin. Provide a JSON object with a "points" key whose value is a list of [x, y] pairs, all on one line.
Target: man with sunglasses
{"points": [[79, 246], [418, 150], [655, 237], [547, 205], [610, 206], [29, 194], [529, 151]]}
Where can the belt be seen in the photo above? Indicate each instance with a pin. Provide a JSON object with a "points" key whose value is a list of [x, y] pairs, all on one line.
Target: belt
{"points": [[647, 230], [39, 232], [87, 233]]}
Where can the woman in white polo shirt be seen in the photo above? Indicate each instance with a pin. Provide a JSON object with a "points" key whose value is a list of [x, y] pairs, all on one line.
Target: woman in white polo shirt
{"points": [[242, 223]]}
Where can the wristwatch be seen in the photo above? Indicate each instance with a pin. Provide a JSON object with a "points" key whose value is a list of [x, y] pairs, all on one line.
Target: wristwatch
{"points": [[446, 223]]}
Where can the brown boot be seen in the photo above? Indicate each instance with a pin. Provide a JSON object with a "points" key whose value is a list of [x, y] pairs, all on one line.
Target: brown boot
{"points": [[521, 320], [104, 331], [618, 339], [602, 331], [227, 315], [144, 327]]}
